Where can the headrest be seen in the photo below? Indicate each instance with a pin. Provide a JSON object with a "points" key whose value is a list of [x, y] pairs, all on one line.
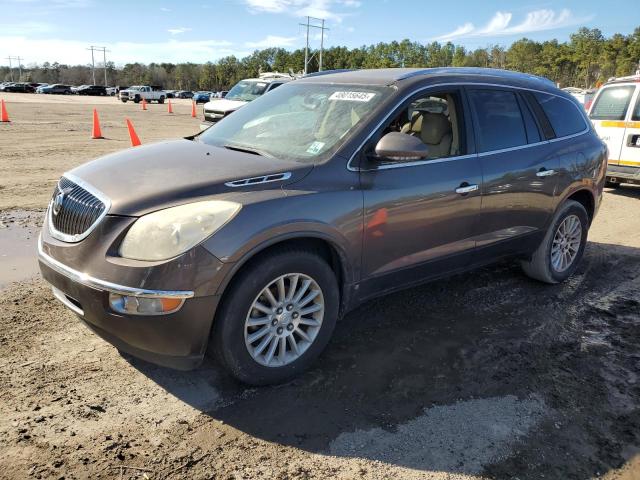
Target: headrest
{"points": [[434, 127]]}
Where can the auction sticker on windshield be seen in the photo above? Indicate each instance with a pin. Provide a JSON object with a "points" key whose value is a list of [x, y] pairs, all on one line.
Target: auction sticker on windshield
{"points": [[315, 148], [352, 96]]}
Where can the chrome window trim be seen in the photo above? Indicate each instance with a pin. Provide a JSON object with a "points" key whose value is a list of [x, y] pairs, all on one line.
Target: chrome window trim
{"points": [[103, 285], [490, 152], [81, 236], [389, 166]]}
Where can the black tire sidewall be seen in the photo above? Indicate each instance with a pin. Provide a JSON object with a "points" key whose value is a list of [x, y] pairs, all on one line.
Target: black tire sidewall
{"points": [[573, 208], [228, 338]]}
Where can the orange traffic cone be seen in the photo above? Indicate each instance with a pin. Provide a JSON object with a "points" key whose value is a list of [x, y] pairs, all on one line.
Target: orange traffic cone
{"points": [[4, 116], [193, 109], [135, 141], [96, 132], [144, 104], [170, 109]]}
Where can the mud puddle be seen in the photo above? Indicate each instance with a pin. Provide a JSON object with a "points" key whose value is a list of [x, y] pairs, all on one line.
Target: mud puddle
{"points": [[18, 242]]}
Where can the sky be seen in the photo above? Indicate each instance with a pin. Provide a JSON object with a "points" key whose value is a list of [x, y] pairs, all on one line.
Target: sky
{"points": [[200, 30]]}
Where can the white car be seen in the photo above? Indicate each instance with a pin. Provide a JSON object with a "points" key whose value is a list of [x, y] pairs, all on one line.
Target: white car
{"points": [[242, 93], [615, 113]]}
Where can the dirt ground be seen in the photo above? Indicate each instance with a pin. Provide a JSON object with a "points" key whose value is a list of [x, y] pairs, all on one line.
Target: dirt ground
{"points": [[487, 375]]}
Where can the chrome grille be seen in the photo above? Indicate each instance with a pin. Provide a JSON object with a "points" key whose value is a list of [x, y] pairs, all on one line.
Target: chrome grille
{"points": [[74, 211]]}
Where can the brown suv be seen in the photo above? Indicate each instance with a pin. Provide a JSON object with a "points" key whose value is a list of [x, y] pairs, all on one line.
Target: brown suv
{"points": [[252, 238]]}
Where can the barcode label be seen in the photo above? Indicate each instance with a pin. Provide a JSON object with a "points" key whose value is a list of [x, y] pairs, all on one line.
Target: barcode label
{"points": [[352, 96]]}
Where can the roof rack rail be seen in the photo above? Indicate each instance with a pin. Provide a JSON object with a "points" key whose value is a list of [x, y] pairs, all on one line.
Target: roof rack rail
{"points": [[474, 71], [272, 75], [327, 72], [628, 78]]}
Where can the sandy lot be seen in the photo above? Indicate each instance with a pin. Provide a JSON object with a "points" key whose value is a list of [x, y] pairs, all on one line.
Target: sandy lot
{"points": [[484, 376]]}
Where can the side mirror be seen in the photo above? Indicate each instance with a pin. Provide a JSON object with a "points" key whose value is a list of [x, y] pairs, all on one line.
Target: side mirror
{"points": [[398, 146]]}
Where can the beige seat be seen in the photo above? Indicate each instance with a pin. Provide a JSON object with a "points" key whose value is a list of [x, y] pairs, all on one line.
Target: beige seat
{"points": [[434, 129]]}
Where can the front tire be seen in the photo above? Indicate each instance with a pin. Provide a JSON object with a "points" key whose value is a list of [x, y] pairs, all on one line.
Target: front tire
{"points": [[561, 250], [277, 317]]}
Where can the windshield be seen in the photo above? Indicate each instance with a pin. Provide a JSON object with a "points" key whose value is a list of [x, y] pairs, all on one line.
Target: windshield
{"points": [[135, 87], [247, 90], [299, 121]]}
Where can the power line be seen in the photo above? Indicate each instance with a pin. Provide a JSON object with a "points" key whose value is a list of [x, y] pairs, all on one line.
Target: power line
{"points": [[93, 63], [322, 28]]}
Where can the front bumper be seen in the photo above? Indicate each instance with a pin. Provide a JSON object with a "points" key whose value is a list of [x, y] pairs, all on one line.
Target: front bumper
{"points": [[623, 174], [177, 340]]}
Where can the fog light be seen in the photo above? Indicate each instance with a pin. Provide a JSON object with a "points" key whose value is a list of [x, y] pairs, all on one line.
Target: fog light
{"points": [[144, 305]]}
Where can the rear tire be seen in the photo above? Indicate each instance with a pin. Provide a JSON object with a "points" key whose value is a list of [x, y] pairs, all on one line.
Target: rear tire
{"points": [[231, 338], [560, 252], [161, 100]]}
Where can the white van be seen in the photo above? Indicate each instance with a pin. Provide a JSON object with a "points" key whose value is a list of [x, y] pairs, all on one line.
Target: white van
{"points": [[615, 113]]}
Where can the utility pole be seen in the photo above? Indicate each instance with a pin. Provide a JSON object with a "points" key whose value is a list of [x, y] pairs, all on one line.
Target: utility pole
{"points": [[104, 63], [93, 62], [10, 67], [322, 28], [321, 46], [306, 49], [19, 60]]}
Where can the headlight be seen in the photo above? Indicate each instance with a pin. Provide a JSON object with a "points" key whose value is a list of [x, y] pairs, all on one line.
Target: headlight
{"points": [[168, 233]]}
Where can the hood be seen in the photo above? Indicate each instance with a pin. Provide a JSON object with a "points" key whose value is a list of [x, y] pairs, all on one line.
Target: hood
{"points": [[142, 179], [224, 105]]}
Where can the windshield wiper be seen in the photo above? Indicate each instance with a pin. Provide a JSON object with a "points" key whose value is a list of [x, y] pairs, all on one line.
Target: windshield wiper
{"points": [[243, 148]]}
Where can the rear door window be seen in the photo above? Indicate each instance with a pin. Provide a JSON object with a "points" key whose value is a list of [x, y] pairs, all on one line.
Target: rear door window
{"points": [[563, 114], [612, 103], [498, 118]]}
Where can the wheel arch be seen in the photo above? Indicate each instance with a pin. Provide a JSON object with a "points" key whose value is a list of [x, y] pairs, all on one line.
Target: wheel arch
{"points": [[318, 242], [584, 197]]}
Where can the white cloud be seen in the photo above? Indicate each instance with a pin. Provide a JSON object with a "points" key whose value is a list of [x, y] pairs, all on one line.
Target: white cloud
{"points": [[178, 30], [165, 9], [75, 52], [500, 24], [273, 41], [301, 8]]}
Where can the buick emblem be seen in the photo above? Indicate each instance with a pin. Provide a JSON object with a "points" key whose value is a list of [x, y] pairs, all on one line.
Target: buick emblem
{"points": [[57, 202]]}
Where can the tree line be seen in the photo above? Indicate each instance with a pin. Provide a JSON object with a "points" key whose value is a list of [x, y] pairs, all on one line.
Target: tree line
{"points": [[588, 57]]}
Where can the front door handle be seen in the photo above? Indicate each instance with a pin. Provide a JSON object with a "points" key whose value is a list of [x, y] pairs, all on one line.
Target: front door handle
{"points": [[466, 188], [543, 172]]}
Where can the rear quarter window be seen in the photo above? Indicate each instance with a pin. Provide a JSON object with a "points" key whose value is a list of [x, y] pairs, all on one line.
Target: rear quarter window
{"points": [[612, 103], [563, 114]]}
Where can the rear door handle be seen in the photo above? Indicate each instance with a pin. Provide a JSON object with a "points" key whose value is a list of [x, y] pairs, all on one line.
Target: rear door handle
{"points": [[545, 173], [466, 188]]}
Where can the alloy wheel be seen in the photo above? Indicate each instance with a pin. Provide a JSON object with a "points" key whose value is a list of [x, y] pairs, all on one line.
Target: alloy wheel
{"points": [[566, 243], [284, 320]]}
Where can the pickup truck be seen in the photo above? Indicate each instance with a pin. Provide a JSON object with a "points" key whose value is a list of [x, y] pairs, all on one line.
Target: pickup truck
{"points": [[138, 92]]}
